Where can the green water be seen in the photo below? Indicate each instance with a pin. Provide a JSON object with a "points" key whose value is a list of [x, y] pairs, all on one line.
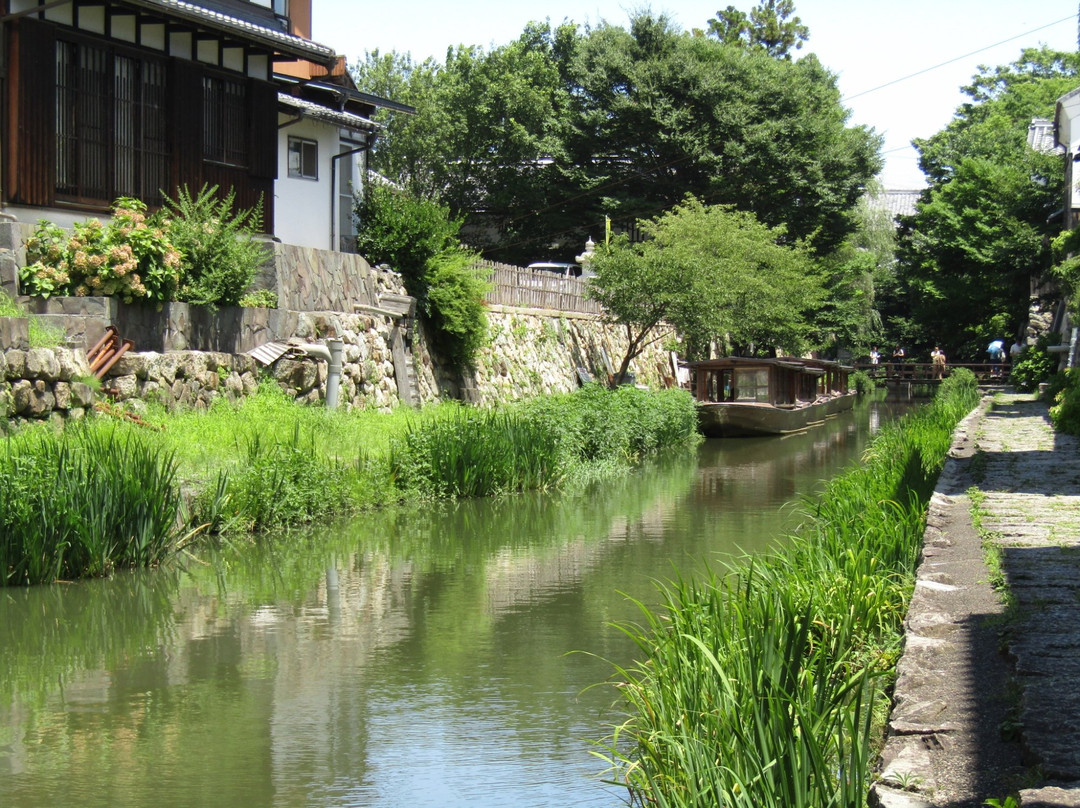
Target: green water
{"points": [[423, 657]]}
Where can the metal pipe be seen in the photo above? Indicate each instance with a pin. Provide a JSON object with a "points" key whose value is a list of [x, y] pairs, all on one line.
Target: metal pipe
{"points": [[333, 190], [333, 372]]}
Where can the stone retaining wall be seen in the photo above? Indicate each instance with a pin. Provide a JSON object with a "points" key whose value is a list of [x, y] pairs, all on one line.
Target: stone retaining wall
{"points": [[536, 351], [532, 353]]}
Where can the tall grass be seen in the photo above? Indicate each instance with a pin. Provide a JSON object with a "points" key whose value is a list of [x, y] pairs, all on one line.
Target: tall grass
{"points": [[760, 681], [103, 494], [475, 453], [536, 445], [83, 502]]}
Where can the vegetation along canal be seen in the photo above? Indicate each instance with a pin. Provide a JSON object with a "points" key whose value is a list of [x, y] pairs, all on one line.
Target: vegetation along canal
{"points": [[408, 658]]}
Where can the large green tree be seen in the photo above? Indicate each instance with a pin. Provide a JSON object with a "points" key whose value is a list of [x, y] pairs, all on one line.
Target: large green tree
{"points": [[537, 141], [980, 233], [714, 275]]}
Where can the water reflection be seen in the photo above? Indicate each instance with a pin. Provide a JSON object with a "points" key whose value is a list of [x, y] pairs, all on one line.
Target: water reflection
{"points": [[414, 657]]}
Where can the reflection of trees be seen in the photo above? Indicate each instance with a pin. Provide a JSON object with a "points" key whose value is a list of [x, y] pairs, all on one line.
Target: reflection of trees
{"points": [[274, 663]]}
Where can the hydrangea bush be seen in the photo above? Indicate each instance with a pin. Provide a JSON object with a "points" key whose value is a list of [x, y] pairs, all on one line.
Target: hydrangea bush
{"points": [[131, 257], [197, 249]]}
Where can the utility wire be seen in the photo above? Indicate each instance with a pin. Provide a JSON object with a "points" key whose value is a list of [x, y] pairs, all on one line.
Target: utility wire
{"points": [[956, 59]]}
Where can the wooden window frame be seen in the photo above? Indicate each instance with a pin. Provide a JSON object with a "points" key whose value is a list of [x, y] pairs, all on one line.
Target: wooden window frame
{"points": [[111, 122]]}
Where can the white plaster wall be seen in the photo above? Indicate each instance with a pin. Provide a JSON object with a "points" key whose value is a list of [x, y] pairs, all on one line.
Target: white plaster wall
{"points": [[301, 206]]}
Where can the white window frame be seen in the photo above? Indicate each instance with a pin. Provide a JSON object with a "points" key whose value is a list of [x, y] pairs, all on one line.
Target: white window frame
{"points": [[298, 148]]}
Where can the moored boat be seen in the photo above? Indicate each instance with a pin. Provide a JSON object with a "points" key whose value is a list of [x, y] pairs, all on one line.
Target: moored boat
{"points": [[738, 396]]}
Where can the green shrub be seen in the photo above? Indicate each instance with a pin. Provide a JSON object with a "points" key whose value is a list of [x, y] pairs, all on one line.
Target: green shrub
{"points": [[419, 239], [260, 299], [1065, 410], [862, 383], [406, 232], [132, 257], [221, 252], [197, 249], [1034, 365], [455, 305]]}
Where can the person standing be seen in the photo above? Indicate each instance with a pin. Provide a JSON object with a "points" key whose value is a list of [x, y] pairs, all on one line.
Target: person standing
{"points": [[937, 359], [996, 350], [1015, 351]]}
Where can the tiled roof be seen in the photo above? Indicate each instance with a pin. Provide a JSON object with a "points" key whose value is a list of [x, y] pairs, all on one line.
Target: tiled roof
{"points": [[272, 37], [320, 113], [1041, 136], [896, 202]]}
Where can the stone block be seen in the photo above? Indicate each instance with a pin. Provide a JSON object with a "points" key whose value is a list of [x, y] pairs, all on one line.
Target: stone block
{"points": [[14, 333]]}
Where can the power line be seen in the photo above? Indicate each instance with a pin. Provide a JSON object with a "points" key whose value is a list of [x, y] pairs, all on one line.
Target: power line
{"points": [[956, 59]]}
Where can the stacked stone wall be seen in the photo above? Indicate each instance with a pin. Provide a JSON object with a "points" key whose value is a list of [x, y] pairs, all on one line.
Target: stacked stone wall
{"points": [[536, 352]]}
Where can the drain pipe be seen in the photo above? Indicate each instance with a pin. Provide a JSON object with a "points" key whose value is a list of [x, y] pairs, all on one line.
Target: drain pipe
{"points": [[331, 354], [333, 372]]}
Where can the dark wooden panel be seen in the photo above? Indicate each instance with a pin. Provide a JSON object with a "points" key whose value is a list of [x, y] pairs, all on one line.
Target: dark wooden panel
{"points": [[185, 116], [262, 97], [32, 155]]}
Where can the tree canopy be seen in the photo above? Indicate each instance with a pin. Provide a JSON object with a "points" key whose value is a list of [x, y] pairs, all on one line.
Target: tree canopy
{"points": [[769, 25], [714, 274], [981, 230], [536, 141]]}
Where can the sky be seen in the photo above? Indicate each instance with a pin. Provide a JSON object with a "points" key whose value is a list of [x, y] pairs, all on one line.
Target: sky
{"points": [[923, 50]]}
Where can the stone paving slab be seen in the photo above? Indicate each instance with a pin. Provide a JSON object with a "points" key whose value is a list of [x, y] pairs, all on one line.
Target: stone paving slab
{"points": [[986, 703]]}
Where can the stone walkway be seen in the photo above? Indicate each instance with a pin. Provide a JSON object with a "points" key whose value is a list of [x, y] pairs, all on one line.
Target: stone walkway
{"points": [[987, 700]]}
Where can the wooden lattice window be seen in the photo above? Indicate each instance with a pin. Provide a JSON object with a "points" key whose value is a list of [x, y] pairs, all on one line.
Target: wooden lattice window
{"points": [[110, 124], [225, 122]]}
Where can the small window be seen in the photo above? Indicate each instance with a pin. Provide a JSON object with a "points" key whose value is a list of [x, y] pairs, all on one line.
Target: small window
{"points": [[752, 384], [303, 158]]}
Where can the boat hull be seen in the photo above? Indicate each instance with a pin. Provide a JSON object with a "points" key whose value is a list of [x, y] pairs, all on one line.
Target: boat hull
{"points": [[734, 419]]}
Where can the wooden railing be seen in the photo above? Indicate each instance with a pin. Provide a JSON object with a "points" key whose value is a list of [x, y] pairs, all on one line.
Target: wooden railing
{"points": [[924, 371], [525, 288]]}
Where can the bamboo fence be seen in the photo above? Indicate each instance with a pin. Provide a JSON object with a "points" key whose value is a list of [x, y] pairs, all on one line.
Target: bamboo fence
{"points": [[537, 289]]}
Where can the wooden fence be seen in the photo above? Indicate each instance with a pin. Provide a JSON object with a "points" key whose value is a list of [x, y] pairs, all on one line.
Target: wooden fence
{"points": [[537, 289]]}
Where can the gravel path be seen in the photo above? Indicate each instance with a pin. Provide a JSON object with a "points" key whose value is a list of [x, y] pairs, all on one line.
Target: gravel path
{"points": [[987, 699]]}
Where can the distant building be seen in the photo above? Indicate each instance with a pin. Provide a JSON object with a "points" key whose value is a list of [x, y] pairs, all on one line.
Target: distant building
{"points": [[895, 202]]}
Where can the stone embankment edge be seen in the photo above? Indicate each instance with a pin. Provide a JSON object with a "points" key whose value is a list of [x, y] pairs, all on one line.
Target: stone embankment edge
{"points": [[916, 727], [938, 751]]}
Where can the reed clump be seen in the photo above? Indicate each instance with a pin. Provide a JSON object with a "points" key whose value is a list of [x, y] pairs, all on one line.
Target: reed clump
{"points": [[761, 681], [540, 443], [106, 493], [83, 502]]}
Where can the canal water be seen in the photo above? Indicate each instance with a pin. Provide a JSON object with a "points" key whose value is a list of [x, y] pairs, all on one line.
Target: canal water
{"points": [[437, 656]]}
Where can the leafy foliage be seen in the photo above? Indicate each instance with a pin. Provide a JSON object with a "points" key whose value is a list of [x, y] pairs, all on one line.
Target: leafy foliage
{"points": [[536, 141], [769, 25], [417, 237], [980, 233], [221, 252], [712, 273], [1035, 364], [1065, 409], [132, 257], [405, 231], [196, 249], [456, 305]]}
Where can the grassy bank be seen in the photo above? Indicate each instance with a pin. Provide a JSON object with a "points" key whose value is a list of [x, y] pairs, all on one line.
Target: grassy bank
{"points": [[113, 493], [760, 684]]}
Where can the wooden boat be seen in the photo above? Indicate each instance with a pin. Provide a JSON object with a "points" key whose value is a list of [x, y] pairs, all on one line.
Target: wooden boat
{"points": [[738, 396]]}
